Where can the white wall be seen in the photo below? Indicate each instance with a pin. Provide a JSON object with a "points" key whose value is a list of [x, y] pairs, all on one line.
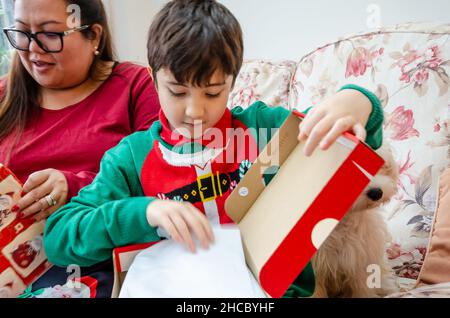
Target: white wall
{"points": [[278, 29], [288, 29], [130, 21]]}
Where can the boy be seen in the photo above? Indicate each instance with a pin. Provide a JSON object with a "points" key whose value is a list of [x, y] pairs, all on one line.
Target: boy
{"points": [[175, 178]]}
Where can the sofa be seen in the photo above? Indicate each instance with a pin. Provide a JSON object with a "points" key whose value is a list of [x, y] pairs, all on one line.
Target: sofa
{"points": [[408, 67]]}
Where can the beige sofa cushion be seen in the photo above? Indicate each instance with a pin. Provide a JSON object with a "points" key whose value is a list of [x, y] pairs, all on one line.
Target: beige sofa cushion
{"points": [[436, 266]]}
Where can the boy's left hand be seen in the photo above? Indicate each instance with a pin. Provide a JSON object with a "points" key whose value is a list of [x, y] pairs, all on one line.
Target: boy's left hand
{"points": [[348, 110]]}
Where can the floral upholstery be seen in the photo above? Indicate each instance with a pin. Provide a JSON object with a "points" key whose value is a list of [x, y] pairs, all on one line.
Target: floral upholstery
{"points": [[408, 67], [426, 291], [263, 81]]}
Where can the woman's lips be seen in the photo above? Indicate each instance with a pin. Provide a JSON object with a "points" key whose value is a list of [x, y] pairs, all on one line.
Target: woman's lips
{"points": [[41, 66]]}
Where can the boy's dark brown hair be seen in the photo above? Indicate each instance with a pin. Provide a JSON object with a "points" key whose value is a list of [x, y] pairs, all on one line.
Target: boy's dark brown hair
{"points": [[193, 39]]}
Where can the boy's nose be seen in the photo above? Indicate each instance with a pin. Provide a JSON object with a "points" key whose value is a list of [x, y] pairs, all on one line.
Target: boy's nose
{"points": [[195, 112]]}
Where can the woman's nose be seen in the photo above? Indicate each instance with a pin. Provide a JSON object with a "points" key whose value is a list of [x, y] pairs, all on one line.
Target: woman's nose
{"points": [[35, 48]]}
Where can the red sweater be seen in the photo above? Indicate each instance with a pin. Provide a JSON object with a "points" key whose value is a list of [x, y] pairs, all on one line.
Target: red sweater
{"points": [[74, 139]]}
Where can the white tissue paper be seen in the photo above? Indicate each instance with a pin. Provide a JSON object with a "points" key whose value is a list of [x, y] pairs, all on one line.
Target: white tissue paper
{"points": [[169, 270]]}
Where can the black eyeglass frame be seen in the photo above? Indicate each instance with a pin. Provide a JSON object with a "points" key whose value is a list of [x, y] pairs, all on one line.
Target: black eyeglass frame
{"points": [[34, 36]]}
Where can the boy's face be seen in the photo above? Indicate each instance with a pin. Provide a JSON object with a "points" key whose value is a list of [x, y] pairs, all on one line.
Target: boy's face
{"points": [[191, 110]]}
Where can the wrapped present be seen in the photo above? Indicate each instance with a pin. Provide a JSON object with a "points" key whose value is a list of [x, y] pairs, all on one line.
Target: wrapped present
{"points": [[22, 256]]}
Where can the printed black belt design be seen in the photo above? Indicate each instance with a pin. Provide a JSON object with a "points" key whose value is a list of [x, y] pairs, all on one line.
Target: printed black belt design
{"points": [[206, 188]]}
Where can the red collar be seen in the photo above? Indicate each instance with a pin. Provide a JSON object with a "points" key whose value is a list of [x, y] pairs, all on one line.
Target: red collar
{"points": [[210, 138]]}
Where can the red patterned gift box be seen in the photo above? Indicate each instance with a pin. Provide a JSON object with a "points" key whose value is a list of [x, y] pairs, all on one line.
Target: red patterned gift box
{"points": [[22, 256]]}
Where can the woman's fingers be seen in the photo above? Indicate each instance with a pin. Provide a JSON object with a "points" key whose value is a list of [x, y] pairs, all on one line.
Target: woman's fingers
{"points": [[35, 179], [35, 201], [39, 206], [39, 186], [49, 210]]}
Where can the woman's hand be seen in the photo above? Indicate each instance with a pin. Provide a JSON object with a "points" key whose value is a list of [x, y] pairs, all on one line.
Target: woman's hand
{"points": [[180, 220], [348, 110], [44, 192]]}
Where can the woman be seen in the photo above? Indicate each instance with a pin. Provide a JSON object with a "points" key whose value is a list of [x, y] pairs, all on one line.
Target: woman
{"points": [[64, 103]]}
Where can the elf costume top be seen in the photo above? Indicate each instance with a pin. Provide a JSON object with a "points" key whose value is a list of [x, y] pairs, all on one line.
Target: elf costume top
{"points": [[160, 164]]}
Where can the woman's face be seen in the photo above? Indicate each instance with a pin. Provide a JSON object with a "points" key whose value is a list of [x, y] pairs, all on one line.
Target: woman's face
{"points": [[65, 69]]}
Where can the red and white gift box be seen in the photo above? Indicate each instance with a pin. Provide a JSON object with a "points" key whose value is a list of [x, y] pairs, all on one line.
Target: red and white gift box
{"points": [[284, 223], [22, 256], [123, 257]]}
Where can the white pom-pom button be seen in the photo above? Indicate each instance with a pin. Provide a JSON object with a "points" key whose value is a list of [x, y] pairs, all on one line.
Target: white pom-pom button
{"points": [[243, 192], [321, 231]]}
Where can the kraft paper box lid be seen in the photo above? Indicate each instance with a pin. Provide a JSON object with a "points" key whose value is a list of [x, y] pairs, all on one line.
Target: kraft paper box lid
{"points": [[284, 223]]}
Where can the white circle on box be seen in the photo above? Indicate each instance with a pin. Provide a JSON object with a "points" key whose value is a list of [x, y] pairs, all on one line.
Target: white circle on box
{"points": [[243, 192], [321, 231]]}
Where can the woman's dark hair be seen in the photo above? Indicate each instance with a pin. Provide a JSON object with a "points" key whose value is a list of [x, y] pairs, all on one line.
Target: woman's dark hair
{"points": [[193, 39], [21, 94]]}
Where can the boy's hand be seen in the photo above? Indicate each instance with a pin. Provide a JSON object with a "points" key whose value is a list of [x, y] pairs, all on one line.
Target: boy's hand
{"points": [[180, 219], [348, 110]]}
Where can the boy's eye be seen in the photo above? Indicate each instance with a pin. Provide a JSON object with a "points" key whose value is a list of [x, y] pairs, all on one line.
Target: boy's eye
{"points": [[176, 94], [213, 95]]}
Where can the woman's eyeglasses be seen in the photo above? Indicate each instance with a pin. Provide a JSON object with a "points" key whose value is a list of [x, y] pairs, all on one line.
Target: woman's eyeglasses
{"points": [[50, 42]]}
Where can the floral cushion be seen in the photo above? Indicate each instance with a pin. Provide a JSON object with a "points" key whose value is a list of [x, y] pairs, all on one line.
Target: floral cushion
{"points": [[408, 66], [263, 81], [427, 291], [436, 266]]}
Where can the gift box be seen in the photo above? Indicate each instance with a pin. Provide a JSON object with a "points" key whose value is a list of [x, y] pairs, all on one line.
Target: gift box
{"points": [[122, 259], [287, 204], [22, 256]]}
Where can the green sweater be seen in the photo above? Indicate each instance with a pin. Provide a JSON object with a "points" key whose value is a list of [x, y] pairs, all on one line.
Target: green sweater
{"points": [[111, 212]]}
